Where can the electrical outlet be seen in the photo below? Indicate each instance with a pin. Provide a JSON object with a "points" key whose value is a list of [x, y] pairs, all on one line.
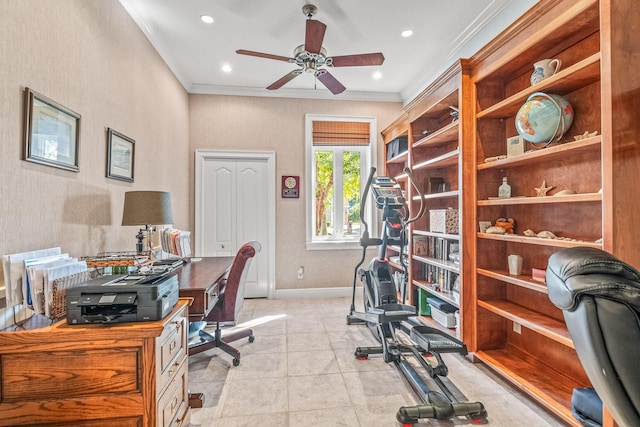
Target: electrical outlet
{"points": [[517, 328], [300, 273]]}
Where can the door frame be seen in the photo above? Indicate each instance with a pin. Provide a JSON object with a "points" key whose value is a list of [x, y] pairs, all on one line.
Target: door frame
{"points": [[204, 155]]}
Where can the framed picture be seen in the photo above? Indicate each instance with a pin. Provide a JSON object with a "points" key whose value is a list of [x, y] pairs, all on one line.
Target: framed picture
{"points": [[52, 132], [120, 156]]}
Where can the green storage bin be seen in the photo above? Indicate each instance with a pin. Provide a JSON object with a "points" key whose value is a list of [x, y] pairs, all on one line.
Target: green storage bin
{"points": [[424, 309]]}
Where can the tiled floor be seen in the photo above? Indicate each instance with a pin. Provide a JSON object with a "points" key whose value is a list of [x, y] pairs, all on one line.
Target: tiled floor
{"points": [[301, 371]]}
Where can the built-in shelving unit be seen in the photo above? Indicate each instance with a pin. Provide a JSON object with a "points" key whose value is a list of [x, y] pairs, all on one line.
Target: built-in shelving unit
{"points": [[519, 332], [508, 321], [435, 151]]}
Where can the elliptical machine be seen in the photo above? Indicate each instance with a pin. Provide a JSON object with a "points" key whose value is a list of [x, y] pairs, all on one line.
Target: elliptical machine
{"points": [[386, 316]]}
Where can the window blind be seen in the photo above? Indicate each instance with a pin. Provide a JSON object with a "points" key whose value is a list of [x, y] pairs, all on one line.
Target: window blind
{"points": [[341, 133]]}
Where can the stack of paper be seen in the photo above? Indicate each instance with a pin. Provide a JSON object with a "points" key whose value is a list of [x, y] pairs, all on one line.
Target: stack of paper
{"points": [[29, 276], [176, 242]]}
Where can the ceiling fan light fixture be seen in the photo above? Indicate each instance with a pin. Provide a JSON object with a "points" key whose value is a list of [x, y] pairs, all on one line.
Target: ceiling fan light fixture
{"points": [[310, 66]]}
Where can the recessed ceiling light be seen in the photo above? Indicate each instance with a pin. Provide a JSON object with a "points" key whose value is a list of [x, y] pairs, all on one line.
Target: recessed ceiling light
{"points": [[407, 33], [207, 19], [226, 68], [377, 75]]}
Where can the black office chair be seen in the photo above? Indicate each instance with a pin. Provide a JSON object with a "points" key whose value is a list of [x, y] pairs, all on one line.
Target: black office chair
{"points": [[230, 302], [600, 299]]}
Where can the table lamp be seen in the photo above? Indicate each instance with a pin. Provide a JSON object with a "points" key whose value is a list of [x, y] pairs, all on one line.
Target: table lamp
{"points": [[148, 208]]}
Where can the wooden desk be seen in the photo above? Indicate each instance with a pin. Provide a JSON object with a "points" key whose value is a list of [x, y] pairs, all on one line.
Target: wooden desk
{"points": [[129, 374], [200, 280]]}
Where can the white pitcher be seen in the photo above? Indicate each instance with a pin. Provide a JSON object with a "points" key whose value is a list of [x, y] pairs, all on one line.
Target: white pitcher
{"points": [[545, 68]]}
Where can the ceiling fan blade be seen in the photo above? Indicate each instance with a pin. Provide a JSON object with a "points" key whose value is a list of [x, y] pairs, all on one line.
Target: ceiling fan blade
{"points": [[264, 55], [334, 86], [358, 60], [284, 80], [314, 36]]}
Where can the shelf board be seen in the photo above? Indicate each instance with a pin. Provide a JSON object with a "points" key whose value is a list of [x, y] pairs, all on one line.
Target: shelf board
{"points": [[522, 281], [565, 81], [442, 135], [544, 325], [549, 387], [538, 240], [443, 195], [447, 265], [445, 296], [447, 159], [556, 152], [428, 321], [434, 234], [400, 158], [571, 198]]}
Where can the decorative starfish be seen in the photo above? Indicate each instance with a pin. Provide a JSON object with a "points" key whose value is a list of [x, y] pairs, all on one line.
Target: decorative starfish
{"points": [[542, 190]]}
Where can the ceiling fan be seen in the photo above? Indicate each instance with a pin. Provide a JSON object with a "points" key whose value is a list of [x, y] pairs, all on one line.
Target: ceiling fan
{"points": [[311, 57]]}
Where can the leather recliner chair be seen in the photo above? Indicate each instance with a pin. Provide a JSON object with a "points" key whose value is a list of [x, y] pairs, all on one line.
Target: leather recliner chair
{"points": [[600, 299]]}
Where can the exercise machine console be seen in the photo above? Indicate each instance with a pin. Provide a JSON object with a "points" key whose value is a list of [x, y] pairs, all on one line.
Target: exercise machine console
{"points": [[387, 315]]}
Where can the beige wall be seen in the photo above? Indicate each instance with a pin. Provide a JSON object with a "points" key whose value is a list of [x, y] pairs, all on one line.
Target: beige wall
{"points": [[277, 124], [89, 56]]}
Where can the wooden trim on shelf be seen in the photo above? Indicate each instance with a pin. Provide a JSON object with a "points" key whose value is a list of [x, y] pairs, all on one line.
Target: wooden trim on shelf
{"points": [[447, 265], [445, 296], [559, 151], [572, 78], [442, 135], [538, 240], [400, 158], [443, 195], [447, 159], [434, 234], [544, 325], [572, 198], [525, 375], [522, 281]]}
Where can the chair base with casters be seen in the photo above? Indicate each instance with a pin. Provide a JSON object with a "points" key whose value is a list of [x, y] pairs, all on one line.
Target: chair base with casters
{"points": [[230, 301], [209, 341]]}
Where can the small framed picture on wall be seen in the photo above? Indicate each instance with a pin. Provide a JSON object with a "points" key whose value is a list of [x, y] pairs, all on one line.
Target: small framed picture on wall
{"points": [[120, 156]]}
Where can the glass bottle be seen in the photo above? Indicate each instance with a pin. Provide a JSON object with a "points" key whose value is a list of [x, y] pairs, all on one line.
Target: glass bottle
{"points": [[504, 191]]}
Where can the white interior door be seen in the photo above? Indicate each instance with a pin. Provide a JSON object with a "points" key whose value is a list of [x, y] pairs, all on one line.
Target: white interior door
{"points": [[234, 208]]}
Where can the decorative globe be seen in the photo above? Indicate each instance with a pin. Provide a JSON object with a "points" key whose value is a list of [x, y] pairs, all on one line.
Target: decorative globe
{"points": [[544, 118]]}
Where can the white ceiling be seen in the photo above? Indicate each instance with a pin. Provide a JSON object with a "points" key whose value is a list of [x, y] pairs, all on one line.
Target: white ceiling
{"points": [[196, 52]]}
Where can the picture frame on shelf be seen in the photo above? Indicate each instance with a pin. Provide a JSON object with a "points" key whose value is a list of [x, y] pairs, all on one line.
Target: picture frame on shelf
{"points": [[120, 156], [51, 132]]}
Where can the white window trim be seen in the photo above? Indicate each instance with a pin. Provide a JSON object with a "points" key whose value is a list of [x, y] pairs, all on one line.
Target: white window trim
{"points": [[310, 181]]}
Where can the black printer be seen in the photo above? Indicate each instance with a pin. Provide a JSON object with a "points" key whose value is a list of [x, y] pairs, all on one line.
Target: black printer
{"points": [[123, 298]]}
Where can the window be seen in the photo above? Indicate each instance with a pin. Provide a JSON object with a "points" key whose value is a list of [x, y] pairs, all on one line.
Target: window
{"points": [[340, 152]]}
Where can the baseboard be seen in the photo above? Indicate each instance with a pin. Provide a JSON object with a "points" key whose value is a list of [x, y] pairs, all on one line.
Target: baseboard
{"points": [[316, 292]]}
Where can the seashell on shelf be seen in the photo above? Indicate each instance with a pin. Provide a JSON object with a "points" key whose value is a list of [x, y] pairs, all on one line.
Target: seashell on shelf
{"points": [[564, 193], [529, 233], [547, 235], [495, 230]]}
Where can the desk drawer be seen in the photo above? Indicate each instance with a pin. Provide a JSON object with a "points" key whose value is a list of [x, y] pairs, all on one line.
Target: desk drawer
{"points": [[211, 296], [173, 404], [171, 348]]}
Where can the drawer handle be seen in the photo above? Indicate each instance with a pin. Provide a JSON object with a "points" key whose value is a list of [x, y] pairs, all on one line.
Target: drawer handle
{"points": [[178, 422], [172, 346], [178, 324], [173, 368], [174, 403]]}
